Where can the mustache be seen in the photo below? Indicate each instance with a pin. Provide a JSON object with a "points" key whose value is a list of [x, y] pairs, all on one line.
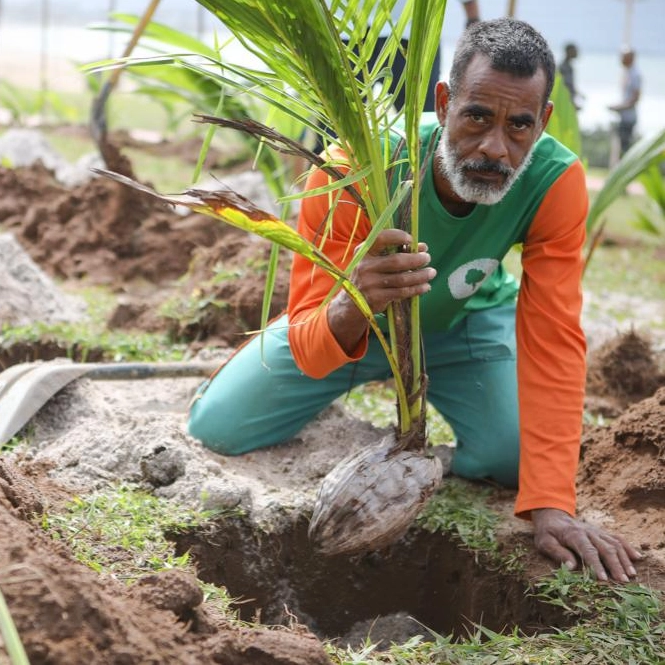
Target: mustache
{"points": [[486, 166]]}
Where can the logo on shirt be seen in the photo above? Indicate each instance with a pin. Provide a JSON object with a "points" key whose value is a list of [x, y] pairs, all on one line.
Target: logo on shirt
{"points": [[469, 277]]}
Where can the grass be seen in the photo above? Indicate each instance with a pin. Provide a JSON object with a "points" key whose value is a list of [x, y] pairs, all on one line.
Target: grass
{"points": [[466, 516], [616, 625], [121, 531], [80, 338]]}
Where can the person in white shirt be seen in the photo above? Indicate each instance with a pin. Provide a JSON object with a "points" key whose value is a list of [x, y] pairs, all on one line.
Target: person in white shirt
{"points": [[631, 86]]}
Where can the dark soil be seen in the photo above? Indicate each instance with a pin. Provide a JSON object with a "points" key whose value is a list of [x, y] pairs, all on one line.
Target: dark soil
{"points": [[148, 254]]}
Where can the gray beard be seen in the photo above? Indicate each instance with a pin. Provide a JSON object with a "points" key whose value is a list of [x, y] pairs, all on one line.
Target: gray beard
{"points": [[452, 167]]}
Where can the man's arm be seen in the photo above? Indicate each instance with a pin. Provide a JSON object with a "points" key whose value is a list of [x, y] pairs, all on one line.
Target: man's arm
{"points": [[634, 97], [383, 276], [551, 376], [323, 338], [629, 103]]}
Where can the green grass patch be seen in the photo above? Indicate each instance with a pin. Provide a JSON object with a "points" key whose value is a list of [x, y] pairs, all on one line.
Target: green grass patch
{"points": [[633, 270], [463, 513], [79, 338], [615, 625], [79, 341], [122, 530]]}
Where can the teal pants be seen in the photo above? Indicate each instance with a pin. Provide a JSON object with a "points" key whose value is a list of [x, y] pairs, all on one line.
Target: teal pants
{"points": [[261, 398]]}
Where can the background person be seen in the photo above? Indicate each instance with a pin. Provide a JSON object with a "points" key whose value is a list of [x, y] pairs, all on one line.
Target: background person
{"points": [[505, 362], [631, 87], [567, 71]]}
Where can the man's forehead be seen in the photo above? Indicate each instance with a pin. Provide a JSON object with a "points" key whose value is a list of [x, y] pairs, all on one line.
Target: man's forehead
{"points": [[481, 80]]}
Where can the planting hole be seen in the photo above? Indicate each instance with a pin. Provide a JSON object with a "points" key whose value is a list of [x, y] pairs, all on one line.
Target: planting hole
{"points": [[423, 582]]}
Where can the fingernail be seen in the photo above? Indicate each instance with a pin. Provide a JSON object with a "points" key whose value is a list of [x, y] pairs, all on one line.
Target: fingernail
{"points": [[632, 572], [570, 565]]}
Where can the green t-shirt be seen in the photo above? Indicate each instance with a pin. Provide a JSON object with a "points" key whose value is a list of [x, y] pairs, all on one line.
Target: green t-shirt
{"points": [[467, 251]]}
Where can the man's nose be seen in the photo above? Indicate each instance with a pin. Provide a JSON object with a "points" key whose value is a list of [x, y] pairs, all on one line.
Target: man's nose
{"points": [[494, 144]]}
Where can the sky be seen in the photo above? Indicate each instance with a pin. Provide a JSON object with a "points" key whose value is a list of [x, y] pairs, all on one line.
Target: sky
{"points": [[596, 25]]}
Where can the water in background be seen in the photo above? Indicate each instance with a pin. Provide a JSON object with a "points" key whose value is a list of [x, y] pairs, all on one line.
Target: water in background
{"points": [[34, 58]]}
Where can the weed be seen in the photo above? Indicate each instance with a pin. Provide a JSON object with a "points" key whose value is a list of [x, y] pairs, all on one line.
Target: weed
{"points": [[191, 310]]}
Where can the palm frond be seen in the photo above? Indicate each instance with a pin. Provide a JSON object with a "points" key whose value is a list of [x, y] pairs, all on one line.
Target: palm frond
{"points": [[639, 158]]}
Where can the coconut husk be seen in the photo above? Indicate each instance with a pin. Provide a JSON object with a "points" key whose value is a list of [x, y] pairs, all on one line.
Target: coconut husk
{"points": [[369, 500]]}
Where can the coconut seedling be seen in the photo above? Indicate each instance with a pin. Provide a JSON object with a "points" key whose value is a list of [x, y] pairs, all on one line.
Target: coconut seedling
{"points": [[323, 80]]}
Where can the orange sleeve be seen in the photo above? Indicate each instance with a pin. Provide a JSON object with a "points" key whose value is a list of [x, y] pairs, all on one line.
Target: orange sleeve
{"points": [[313, 345], [551, 348]]}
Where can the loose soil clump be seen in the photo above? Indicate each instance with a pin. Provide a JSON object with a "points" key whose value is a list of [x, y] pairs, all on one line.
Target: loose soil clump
{"points": [[624, 370]]}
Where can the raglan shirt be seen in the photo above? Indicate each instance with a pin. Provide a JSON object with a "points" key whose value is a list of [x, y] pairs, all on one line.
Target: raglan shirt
{"points": [[545, 211]]}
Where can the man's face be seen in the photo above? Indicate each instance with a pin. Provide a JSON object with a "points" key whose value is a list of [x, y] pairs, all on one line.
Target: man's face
{"points": [[489, 130], [627, 58]]}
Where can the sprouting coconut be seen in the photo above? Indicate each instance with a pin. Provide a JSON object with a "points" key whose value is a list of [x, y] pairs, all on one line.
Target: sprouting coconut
{"points": [[370, 499]]}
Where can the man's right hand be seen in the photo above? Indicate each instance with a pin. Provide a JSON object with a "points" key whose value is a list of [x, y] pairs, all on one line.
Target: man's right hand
{"points": [[384, 275]]}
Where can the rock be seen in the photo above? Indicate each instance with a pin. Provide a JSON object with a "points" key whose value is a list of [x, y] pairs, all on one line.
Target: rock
{"points": [[28, 294]]}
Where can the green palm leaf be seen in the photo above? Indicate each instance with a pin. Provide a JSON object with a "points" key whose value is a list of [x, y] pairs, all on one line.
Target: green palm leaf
{"points": [[301, 42], [639, 158], [312, 76], [563, 124], [236, 210]]}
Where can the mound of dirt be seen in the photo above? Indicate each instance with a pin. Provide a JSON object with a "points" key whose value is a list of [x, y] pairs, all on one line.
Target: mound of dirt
{"points": [[66, 613], [622, 477], [102, 233], [623, 371]]}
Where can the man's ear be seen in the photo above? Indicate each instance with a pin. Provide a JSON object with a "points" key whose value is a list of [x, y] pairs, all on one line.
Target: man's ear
{"points": [[546, 114], [441, 99]]}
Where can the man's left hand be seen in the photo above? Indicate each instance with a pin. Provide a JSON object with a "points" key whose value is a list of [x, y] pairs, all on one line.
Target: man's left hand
{"points": [[569, 541]]}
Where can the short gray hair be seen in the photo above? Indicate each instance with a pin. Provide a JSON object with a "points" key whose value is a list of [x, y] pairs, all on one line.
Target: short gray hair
{"points": [[512, 46]]}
